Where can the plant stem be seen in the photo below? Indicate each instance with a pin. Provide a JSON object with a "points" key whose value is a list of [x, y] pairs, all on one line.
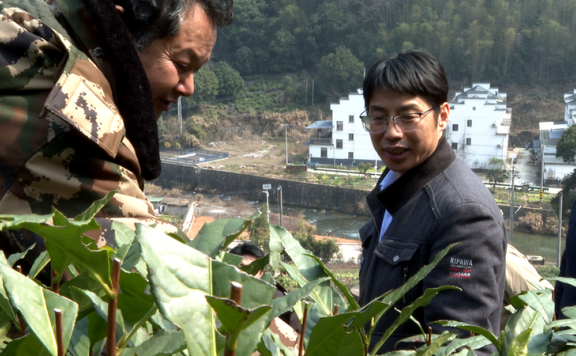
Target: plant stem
{"points": [[336, 309], [232, 339], [124, 340], [21, 321], [303, 331], [55, 287], [112, 303], [429, 335], [59, 332]]}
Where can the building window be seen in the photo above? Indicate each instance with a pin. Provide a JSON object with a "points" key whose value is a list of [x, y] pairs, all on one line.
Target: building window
{"points": [[339, 125], [350, 137], [469, 123], [323, 152], [351, 118], [468, 141], [338, 143], [350, 155], [455, 127], [455, 145]]}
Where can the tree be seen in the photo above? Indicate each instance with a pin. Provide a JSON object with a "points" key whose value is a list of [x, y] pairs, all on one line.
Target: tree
{"points": [[205, 87], [364, 167], [260, 231], [566, 147], [340, 73], [496, 162], [569, 191], [229, 80], [495, 176], [306, 235]]}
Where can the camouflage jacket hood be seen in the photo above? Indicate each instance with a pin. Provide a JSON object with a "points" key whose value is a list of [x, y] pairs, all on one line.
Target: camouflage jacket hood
{"points": [[96, 28]]}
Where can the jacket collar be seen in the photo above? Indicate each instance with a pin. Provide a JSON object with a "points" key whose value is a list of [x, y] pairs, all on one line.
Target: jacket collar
{"points": [[96, 25], [412, 181]]}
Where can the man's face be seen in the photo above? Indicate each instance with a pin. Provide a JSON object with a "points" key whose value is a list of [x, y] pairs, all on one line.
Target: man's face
{"points": [[246, 260], [401, 151], [171, 62]]}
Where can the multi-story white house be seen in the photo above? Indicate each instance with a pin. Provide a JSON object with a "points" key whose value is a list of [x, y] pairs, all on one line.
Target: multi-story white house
{"points": [[570, 108], [479, 125], [554, 169], [342, 140]]}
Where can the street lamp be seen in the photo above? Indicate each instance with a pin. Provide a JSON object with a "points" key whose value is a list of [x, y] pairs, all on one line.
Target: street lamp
{"points": [[266, 187], [286, 140], [279, 189]]}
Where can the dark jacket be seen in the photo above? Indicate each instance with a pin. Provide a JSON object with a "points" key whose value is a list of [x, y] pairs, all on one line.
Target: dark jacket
{"points": [[565, 295], [433, 205]]}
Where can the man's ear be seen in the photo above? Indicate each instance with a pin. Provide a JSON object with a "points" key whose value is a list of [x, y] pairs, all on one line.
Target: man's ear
{"points": [[120, 9], [444, 116]]}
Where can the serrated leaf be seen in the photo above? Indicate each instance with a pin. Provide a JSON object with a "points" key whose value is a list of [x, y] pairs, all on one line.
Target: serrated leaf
{"points": [[95, 207], [135, 299], [436, 344], [216, 235], [233, 317], [18, 256], [473, 342], [330, 338], [28, 345], [163, 343], [519, 346], [233, 260], [477, 329], [539, 300], [284, 304], [297, 276], [37, 308], [39, 263]]}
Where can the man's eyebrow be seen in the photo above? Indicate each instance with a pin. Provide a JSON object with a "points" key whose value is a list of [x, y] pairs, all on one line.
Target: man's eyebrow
{"points": [[405, 107]]}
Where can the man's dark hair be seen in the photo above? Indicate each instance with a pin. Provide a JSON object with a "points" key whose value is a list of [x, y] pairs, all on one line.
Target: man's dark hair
{"points": [[408, 72], [149, 20], [247, 248]]}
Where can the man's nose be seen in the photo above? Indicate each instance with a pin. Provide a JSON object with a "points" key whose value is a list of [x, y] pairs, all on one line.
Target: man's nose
{"points": [[185, 86], [392, 131]]}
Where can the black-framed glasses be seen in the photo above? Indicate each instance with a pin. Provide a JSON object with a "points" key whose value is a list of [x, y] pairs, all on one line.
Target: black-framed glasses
{"points": [[404, 122]]}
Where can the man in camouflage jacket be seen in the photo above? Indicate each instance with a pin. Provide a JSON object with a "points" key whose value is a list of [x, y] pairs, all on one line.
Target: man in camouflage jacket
{"points": [[76, 113]]}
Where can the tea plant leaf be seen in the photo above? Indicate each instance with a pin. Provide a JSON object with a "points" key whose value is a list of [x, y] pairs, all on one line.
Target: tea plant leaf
{"points": [[352, 304], [101, 308], [330, 338], [28, 345], [436, 344], [233, 317], [278, 342], [565, 280], [80, 342], [135, 300], [283, 304], [180, 277], [18, 256], [519, 347], [124, 239], [539, 300], [477, 329], [95, 207], [39, 263], [473, 342], [296, 275], [405, 314], [218, 234], [267, 346], [163, 343], [528, 318], [63, 243], [233, 260], [5, 304], [37, 307]]}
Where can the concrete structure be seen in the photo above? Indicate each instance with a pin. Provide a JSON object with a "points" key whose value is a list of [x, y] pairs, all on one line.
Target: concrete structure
{"points": [[479, 125], [343, 140], [570, 110]]}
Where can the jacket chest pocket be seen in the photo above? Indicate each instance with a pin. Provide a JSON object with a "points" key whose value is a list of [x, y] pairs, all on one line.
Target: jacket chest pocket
{"points": [[396, 252]]}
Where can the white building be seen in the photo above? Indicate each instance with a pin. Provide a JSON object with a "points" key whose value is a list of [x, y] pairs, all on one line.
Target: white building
{"points": [[342, 140], [479, 125], [570, 108]]}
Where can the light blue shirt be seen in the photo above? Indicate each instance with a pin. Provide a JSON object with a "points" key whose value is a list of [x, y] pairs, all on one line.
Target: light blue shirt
{"points": [[389, 179]]}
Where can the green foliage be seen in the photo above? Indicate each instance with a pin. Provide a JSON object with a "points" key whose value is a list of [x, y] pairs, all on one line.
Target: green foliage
{"points": [[495, 176], [206, 87], [175, 296], [566, 148], [259, 229], [306, 236], [364, 167], [342, 71], [569, 192], [230, 83]]}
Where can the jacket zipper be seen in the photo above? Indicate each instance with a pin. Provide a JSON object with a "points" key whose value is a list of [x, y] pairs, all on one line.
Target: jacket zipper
{"points": [[404, 280]]}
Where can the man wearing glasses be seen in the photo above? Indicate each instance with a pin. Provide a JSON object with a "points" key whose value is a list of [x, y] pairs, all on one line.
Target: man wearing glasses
{"points": [[425, 200]]}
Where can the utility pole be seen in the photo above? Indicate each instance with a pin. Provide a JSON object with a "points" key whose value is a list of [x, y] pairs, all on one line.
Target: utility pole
{"points": [[265, 191], [542, 173], [512, 156], [312, 91], [560, 229], [306, 101], [286, 140], [180, 114]]}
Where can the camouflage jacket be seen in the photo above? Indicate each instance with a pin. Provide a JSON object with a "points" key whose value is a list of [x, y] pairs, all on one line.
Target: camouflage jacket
{"points": [[63, 140]]}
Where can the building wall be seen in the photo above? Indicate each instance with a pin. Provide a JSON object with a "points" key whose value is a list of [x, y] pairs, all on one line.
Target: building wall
{"points": [[485, 142]]}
